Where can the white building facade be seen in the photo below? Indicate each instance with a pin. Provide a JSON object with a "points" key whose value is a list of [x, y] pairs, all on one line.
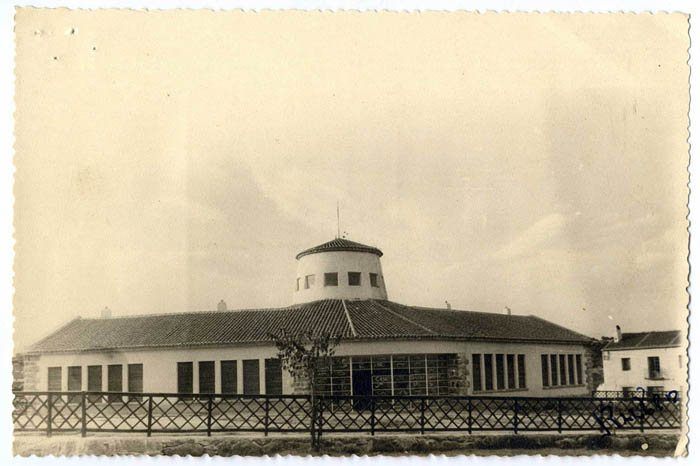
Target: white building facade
{"points": [[386, 348], [654, 361]]}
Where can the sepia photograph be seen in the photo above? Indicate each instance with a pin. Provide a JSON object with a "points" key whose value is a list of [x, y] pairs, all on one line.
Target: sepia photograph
{"points": [[349, 233]]}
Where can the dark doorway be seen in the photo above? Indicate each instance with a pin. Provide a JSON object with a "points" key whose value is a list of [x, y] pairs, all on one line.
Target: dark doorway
{"points": [[361, 386]]}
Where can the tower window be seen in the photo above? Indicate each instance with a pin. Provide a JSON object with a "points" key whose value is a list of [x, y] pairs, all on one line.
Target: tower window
{"points": [[354, 278], [373, 280], [330, 279], [309, 281]]}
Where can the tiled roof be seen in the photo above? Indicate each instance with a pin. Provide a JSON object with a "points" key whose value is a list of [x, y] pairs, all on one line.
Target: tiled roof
{"points": [[340, 244], [371, 319], [643, 340]]}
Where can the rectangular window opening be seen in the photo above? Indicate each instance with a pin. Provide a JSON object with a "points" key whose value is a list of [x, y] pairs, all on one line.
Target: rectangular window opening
{"points": [[273, 376], [579, 370], [510, 363], [114, 381], [545, 370], [330, 279], [488, 371], [251, 377], [562, 369], [554, 370], [522, 378], [373, 280], [476, 372], [185, 377], [309, 281], [354, 278], [94, 381], [625, 364], [229, 377], [207, 382], [500, 373]]}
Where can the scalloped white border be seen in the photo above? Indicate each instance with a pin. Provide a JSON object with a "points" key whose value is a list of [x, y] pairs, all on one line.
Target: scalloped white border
{"points": [[6, 200]]}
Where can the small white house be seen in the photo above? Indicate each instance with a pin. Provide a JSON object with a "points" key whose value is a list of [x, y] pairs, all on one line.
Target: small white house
{"points": [[386, 348], [652, 360]]}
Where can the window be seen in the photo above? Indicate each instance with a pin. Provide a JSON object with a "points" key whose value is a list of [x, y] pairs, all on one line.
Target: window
{"points": [[521, 372], [114, 381], [625, 364], [206, 377], [655, 390], [554, 370], [606, 355], [251, 377], [330, 279], [229, 377], [500, 373], [654, 367], [488, 372], [273, 376], [373, 280], [309, 281], [354, 278], [579, 370], [510, 370], [570, 369], [562, 369], [94, 381], [627, 392], [135, 380], [185, 377], [298, 281], [476, 372], [54, 379], [545, 370], [75, 377]]}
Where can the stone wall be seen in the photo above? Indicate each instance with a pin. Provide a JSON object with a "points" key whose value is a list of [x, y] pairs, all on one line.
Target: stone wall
{"points": [[594, 366], [25, 372], [504, 444], [459, 376]]}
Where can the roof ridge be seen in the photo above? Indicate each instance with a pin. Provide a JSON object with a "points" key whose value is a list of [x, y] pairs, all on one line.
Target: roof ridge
{"points": [[561, 326], [411, 321], [347, 316]]}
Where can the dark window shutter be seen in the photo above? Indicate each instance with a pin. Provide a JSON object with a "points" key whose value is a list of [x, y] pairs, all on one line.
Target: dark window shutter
{"points": [[476, 375], [94, 382], [570, 361], [273, 376], [545, 370], [251, 377], [135, 379], [579, 369], [229, 377], [184, 377], [522, 378], [500, 376], [510, 360], [206, 377], [75, 377], [54, 379], [114, 380]]}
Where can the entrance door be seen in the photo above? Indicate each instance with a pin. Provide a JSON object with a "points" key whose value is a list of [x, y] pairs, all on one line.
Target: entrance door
{"points": [[361, 386]]}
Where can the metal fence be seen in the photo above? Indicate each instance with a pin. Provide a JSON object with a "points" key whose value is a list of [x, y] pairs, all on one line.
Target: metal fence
{"points": [[53, 412], [638, 393]]}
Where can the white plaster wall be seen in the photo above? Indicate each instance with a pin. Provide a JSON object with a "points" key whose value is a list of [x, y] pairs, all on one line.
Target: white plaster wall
{"points": [[160, 366], [341, 262], [673, 369]]}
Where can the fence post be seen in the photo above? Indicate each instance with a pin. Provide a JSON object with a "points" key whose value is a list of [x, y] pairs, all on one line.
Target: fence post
{"points": [[469, 416], [267, 415], [643, 415], [49, 415], [515, 415], [559, 415], [83, 416], [422, 416], [209, 403], [150, 416], [372, 419]]}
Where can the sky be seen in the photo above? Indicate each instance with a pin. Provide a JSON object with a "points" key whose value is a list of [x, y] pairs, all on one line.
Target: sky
{"points": [[167, 160]]}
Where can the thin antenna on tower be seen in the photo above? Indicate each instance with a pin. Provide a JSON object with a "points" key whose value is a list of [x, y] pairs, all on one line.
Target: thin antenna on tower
{"points": [[337, 213]]}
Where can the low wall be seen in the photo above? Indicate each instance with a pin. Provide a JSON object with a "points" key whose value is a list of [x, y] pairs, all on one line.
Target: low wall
{"points": [[661, 444]]}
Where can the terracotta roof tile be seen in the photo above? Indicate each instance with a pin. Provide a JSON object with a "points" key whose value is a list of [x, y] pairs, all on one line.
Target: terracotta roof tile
{"points": [[340, 244], [641, 340], [372, 319]]}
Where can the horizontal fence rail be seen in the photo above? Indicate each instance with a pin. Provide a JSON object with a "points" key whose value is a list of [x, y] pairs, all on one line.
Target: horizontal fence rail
{"points": [[53, 412]]}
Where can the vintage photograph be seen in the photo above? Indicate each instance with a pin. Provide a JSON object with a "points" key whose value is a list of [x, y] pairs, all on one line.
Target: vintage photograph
{"points": [[350, 233]]}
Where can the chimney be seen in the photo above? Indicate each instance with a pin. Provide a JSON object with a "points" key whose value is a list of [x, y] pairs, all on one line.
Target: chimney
{"points": [[449, 306], [508, 312], [221, 306], [106, 313], [618, 334]]}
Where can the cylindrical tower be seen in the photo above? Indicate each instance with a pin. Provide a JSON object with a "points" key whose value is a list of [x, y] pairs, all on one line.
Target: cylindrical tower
{"points": [[339, 269]]}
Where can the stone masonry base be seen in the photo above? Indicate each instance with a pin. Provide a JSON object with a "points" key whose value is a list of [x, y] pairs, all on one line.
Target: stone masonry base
{"points": [[656, 444]]}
